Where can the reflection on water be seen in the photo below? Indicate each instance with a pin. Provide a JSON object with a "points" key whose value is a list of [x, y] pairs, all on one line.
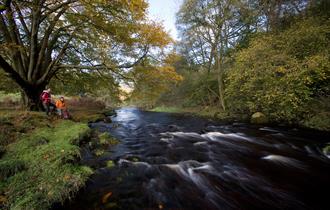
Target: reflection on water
{"points": [[168, 161]]}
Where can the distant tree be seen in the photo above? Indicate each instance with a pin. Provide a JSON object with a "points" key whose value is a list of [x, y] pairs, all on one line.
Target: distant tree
{"points": [[209, 28], [153, 78]]}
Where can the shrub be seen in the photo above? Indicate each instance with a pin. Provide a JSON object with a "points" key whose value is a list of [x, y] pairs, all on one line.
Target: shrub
{"points": [[279, 74]]}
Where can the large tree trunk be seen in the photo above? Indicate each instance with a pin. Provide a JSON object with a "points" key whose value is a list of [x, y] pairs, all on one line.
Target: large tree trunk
{"points": [[32, 95]]}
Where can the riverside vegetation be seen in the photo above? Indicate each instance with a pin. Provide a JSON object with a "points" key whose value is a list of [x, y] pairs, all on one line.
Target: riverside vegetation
{"points": [[40, 155], [279, 67]]}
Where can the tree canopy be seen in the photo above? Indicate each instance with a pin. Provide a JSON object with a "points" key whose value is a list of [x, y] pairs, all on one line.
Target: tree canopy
{"points": [[43, 39], [255, 56]]}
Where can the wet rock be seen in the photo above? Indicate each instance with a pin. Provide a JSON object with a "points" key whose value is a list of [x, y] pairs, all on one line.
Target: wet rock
{"points": [[326, 151], [109, 113], [107, 120], [238, 124], [259, 118], [110, 164]]}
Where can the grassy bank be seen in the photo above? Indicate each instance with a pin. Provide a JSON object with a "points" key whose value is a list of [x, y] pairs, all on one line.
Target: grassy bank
{"points": [[210, 112], [319, 121], [39, 159]]}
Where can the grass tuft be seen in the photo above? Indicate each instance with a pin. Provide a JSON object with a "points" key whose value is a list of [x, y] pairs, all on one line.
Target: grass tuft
{"points": [[48, 156], [107, 139]]}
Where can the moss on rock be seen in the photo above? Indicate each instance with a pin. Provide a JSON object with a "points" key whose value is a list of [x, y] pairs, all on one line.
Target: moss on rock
{"points": [[259, 118]]}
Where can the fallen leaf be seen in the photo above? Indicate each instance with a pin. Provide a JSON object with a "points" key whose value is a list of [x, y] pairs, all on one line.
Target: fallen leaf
{"points": [[66, 177], [106, 197], [3, 199]]}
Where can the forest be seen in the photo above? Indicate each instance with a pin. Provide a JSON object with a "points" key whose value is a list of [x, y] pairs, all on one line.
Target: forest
{"points": [[241, 57]]}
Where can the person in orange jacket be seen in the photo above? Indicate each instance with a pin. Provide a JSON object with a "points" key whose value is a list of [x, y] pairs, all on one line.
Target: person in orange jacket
{"points": [[62, 108]]}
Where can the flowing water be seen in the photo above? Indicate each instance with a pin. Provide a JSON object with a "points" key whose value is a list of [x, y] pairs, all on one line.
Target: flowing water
{"points": [[171, 161]]}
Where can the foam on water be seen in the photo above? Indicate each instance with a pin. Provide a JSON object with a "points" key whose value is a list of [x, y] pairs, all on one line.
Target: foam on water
{"points": [[286, 161], [216, 136]]}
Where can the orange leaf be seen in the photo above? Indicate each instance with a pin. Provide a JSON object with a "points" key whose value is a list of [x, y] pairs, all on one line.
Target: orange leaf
{"points": [[106, 197]]}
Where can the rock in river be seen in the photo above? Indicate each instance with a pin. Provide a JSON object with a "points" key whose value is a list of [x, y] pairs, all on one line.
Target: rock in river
{"points": [[259, 118]]}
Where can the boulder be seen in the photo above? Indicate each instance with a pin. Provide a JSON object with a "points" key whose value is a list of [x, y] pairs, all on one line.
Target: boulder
{"points": [[259, 118]]}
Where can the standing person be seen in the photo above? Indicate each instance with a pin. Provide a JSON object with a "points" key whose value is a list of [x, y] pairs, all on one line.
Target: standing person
{"points": [[46, 101], [61, 108]]}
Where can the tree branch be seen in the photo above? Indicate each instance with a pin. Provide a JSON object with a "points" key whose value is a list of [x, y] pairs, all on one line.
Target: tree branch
{"points": [[50, 69], [12, 73], [21, 18], [5, 6], [45, 42], [55, 8], [34, 36]]}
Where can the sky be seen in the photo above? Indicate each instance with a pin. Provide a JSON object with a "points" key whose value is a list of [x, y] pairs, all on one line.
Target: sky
{"points": [[165, 10]]}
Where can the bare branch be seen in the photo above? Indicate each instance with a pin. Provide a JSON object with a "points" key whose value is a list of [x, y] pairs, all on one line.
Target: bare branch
{"points": [[56, 8], [21, 18], [46, 40]]}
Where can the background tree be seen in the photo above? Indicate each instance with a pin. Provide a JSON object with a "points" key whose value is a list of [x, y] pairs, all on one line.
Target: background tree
{"points": [[43, 38], [209, 29], [153, 78]]}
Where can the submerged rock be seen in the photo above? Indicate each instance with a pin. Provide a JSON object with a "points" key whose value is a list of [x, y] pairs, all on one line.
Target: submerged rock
{"points": [[259, 118]]}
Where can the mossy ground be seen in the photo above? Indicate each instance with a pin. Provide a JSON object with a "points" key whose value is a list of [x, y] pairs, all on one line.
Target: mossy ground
{"points": [[38, 165]]}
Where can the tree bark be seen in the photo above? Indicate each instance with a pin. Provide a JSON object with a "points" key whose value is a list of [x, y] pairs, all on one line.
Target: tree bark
{"points": [[220, 69], [32, 95], [220, 82]]}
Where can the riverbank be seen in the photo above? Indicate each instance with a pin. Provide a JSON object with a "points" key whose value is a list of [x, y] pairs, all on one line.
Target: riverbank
{"points": [[39, 157], [208, 112], [319, 122]]}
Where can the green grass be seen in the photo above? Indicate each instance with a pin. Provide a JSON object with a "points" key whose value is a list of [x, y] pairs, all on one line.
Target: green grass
{"points": [[40, 167], [107, 139], [9, 96], [210, 112], [168, 109]]}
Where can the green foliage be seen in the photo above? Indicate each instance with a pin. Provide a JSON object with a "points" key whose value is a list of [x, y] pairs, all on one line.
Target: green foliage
{"points": [[39, 166], [80, 46], [107, 139], [7, 84], [166, 109], [318, 116], [74, 83], [10, 167], [278, 74], [15, 97], [110, 164], [153, 80], [196, 89]]}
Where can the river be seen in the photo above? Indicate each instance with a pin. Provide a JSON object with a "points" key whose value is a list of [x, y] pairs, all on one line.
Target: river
{"points": [[172, 161]]}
